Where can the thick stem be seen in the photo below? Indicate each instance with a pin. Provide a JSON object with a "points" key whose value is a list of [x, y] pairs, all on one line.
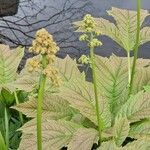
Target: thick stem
{"points": [[136, 45], [17, 102], [39, 105], [6, 128], [129, 68], [95, 89]]}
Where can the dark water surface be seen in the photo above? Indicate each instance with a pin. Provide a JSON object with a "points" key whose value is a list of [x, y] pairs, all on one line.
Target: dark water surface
{"points": [[98, 10], [110, 46]]}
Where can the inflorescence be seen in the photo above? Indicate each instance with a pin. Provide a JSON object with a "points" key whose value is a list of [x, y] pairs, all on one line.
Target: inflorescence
{"points": [[44, 45], [89, 26]]}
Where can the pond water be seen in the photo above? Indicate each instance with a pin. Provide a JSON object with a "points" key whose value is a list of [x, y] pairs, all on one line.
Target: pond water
{"points": [[96, 7]]}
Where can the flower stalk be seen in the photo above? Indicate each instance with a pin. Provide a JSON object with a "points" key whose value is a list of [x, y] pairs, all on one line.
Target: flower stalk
{"points": [[90, 37], [136, 45], [95, 89], [17, 102], [6, 128], [42, 83], [129, 68], [45, 47]]}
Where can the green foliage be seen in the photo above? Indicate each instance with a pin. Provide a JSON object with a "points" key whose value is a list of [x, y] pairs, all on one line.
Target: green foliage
{"points": [[56, 134], [124, 30], [69, 113], [2, 143], [121, 130], [75, 103], [9, 78], [136, 107]]}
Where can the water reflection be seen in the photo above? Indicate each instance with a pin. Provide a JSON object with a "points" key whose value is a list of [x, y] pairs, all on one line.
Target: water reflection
{"points": [[57, 17]]}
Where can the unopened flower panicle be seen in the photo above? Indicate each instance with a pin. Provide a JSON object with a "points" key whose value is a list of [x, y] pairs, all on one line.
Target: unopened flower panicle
{"points": [[84, 59], [89, 26], [88, 23], [95, 43]]}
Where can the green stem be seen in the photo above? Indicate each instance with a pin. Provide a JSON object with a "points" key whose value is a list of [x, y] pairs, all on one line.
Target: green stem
{"points": [[42, 83], [129, 68], [95, 89], [17, 102], [136, 45], [6, 128]]}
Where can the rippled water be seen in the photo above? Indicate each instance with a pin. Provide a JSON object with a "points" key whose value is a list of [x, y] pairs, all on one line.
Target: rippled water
{"points": [[99, 9]]}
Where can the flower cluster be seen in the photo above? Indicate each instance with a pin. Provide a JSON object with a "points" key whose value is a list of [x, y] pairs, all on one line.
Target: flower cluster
{"points": [[44, 45], [89, 26], [88, 23], [95, 43], [33, 64], [52, 73], [84, 59]]}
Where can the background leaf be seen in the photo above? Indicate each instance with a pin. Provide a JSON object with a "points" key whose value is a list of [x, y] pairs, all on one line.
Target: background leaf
{"points": [[54, 107], [55, 134], [136, 108], [121, 130], [9, 62], [83, 139], [2, 143]]}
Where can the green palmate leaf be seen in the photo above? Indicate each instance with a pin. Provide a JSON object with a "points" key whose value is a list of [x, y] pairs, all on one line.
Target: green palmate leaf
{"points": [[25, 82], [141, 144], [9, 78], [2, 143], [55, 134], [136, 108], [145, 35], [126, 22], [121, 130], [9, 62], [110, 145], [54, 107], [142, 79], [83, 139], [112, 80], [79, 93], [147, 88], [141, 129], [124, 30], [67, 68]]}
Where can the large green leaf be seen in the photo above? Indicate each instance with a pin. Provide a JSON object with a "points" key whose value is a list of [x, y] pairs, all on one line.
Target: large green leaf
{"points": [[9, 62], [110, 145], [121, 130], [9, 78], [142, 78], [112, 80], [145, 35], [83, 139], [79, 93], [124, 30], [55, 134], [136, 108], [2, 143], [53, 107], [67, 68], [141, 144], [126, 23], [140, 129]]}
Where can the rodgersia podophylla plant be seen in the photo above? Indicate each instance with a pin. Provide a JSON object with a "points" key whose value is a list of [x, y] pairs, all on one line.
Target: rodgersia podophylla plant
{"points": [[45, 46], [90, 36]]}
